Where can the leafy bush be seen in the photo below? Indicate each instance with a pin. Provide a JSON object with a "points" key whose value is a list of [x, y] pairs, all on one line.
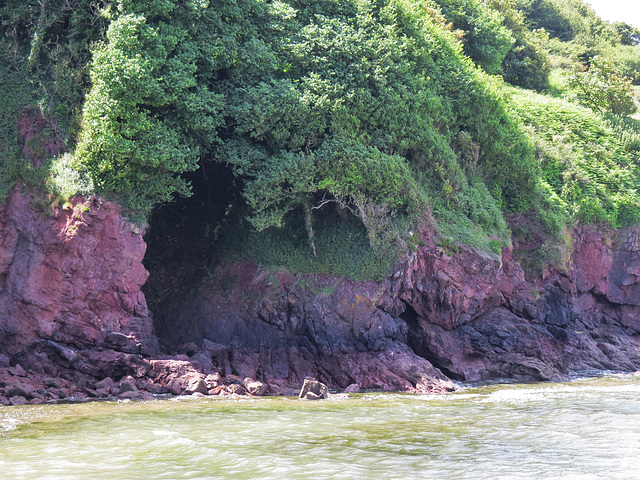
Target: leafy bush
{"points": [[374, 107], [588, 171], [602, 90], [342, 247], [484, 37]]}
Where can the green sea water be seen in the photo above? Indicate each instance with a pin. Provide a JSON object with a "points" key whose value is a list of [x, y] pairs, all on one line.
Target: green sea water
{"points": [[585, 429]]}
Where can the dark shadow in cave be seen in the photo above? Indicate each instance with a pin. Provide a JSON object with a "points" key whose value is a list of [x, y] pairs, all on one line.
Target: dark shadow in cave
{"points": [[182, 237], [418, 342]]}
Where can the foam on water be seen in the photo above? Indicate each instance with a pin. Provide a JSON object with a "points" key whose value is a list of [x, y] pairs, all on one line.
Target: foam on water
{"points": [[585, 429]]}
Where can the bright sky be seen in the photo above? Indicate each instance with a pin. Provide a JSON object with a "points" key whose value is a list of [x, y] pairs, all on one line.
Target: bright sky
{"points": [[627, 11]]}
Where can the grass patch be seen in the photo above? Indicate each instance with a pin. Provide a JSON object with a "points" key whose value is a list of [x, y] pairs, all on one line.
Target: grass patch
{"points": [[342, 247], [588, 161]]}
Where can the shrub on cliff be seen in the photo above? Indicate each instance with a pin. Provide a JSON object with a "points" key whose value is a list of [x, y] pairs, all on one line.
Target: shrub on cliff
{"points": [[377, 107], [602, 90], [307, 102], [585, 159]]}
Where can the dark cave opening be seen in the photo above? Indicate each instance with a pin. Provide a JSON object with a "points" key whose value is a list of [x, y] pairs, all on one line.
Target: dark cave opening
{"points": [[418, 342], [182, 238], [187, 228]]}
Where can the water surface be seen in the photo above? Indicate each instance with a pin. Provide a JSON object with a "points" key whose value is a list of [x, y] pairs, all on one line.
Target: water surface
{"points": [[586, 429]]}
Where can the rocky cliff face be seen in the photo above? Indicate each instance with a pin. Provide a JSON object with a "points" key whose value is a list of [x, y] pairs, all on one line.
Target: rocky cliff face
{"points": [[74, 321], [471, 316], [71, 275], [478, 318], [70, 301]]}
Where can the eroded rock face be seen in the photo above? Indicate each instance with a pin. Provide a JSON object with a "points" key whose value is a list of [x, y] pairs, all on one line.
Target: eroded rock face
{"points": [[338, 331], [463, 315], [584, 318], [75, 324], [70, 298], [72, 276]]}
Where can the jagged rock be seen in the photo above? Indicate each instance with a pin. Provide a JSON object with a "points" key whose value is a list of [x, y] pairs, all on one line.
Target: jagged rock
{"points": [[18, 371], [463, 315], [313, 390], [18, 400], [254, 387], [134, 395], [142, 343], [20, 389], [213, 380], [105, 384], [202, 361], [86, 384], [180, 377], [71, 307], [235, 389], [233, 379], [216, 390], [68, 276]]}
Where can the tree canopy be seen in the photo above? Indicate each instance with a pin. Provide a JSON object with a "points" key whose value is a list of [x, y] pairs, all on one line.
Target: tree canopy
{"points": [[384, 108]]}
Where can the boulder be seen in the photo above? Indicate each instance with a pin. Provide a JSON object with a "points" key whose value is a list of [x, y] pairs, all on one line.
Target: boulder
{"points": [[128, 384], [181, 377], [20, 389], [313, 390], [235, 389], [213, 380], [254, 387], [353, 388], [105, 385]]}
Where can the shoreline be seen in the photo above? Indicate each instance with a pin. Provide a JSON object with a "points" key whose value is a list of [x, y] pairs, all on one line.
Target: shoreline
{"points": [[87, 395]]}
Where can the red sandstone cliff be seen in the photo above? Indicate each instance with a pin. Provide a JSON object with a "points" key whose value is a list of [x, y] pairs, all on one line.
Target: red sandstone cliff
{"points": [[73, 319], [71, 276]]}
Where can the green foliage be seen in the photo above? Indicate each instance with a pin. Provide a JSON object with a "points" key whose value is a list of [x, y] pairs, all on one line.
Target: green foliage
{"points": [[44, 49], [629, 36], [374, 108], [342, 247], [527, 65], [496, 246], [578, 35], [67, 178], [567, 20], [588, 171], [627, 129], [12, 95], [624, 60], [361, 100], [602, 90], [144, 102], [484, 37], [350, 170]]}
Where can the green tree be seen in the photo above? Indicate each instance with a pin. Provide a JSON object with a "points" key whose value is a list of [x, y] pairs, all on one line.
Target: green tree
{"points": [[147, 116], [484, 37], [526, 64]]}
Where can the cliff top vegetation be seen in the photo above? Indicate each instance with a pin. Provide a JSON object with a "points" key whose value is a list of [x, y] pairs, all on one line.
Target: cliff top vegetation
{"points": [[321, 135]]}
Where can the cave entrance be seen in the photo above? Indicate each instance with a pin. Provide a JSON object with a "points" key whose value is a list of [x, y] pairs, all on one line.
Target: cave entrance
{"points": [[420, 342], [183, 235]]}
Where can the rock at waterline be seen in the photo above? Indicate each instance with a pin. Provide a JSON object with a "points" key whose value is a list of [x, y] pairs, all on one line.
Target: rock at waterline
{"points": [[313, 390]]}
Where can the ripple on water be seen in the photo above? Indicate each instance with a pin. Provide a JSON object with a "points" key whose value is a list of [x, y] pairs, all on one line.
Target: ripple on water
{"points": [[584, 429]]}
